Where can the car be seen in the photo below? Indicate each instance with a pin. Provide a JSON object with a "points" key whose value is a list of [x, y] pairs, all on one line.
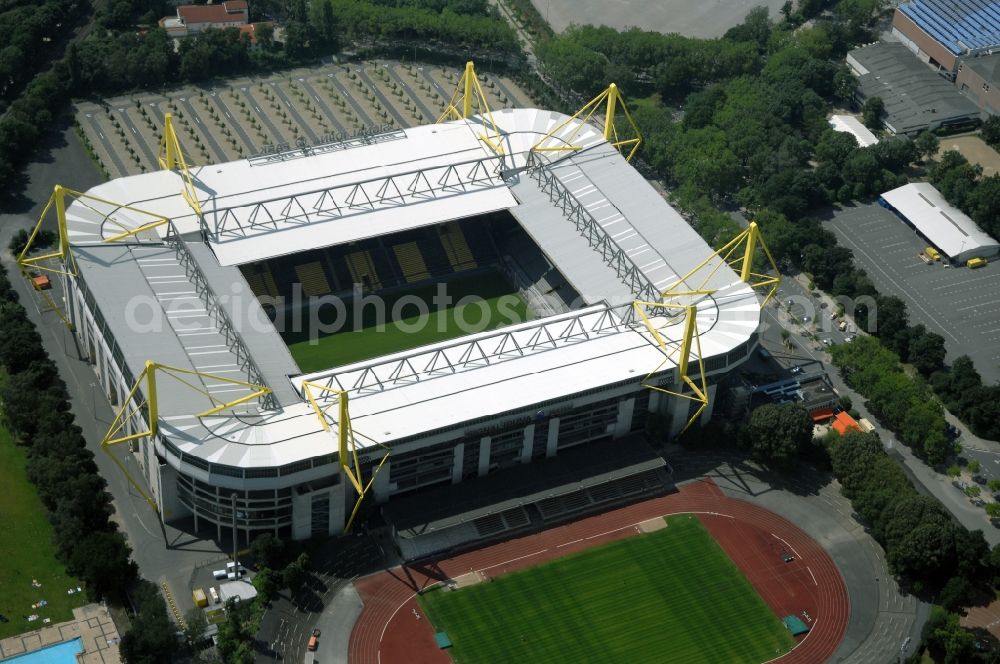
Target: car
{"points": [[313, 643], [828, 342], [789, 303], [979, 479], [849, 338], [805, 319], [978, 502], [787, 557], [959, 484], [833, 315], [795, 370]]}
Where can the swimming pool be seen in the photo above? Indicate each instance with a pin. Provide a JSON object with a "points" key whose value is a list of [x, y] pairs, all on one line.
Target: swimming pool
{"points": [[60, 653]]}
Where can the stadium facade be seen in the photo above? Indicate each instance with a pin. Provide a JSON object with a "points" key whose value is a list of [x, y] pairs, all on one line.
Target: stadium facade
{"points": [[166, 302]]}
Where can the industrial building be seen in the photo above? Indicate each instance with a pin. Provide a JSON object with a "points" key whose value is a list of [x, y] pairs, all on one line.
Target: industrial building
{"points": [[944, 226], [979, 79], [915, 98], [943, 32], [170, 278]]}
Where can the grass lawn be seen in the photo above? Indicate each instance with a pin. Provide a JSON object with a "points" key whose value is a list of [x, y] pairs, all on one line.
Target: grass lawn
{"points": [[668, 596], [27, 552], [497, 304]]}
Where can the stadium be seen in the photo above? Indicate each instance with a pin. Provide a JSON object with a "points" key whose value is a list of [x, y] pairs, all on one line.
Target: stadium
{"points": [[232, 314]]}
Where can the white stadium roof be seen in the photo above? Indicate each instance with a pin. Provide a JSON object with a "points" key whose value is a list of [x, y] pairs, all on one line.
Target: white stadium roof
{"points": [[946, 227], [260, 208]]}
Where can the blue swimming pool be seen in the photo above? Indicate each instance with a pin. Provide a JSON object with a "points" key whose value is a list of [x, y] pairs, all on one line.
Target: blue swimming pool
{"points": [[60, 653]]}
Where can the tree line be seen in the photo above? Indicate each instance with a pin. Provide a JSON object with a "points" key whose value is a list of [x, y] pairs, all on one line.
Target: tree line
{"points": [[931, 553], [36, 410], [964, 186]]}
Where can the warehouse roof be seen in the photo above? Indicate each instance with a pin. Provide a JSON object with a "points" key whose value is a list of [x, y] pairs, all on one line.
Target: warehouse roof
{"points": [[947, 227], [958, 25], [914, 96]]}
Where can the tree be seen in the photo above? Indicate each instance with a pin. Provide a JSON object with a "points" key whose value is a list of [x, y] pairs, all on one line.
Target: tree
{"points": [[955, 594], [990, 130], [927, 144], [150, 640], [296, 573], [777, 433], [872, 111], [974, 466], [267, 551], [103, 560], [236, 634], [196, 623], [267, 584]]}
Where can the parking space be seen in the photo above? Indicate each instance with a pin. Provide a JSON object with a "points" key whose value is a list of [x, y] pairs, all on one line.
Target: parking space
{"points": [[960, 304], [242, 117]]}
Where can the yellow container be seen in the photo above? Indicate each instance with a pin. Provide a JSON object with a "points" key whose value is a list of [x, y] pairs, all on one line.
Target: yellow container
{"points": [[976, 262], [198, 595]]}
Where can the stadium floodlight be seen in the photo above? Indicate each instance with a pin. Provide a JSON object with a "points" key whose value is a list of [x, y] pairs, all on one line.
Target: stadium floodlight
{"points": [[126, 412], [347, 448], [171, 157], [473, 102], [555, 141]]}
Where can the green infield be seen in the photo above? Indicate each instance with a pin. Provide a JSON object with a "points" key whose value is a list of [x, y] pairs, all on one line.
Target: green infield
{"points": [[668, 596], [27, 552], [490, 302]]}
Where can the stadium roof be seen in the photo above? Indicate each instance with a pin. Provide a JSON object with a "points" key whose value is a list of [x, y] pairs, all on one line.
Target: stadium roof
{"points": [[960, 26], [915, 97], [945, 226], [265, 207], [849, 124]]}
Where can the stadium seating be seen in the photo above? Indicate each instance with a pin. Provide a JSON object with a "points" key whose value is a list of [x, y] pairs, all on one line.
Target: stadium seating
{"points": [[456, 248], [411, 262], [363, 269], [259, 279], [313, 278]]}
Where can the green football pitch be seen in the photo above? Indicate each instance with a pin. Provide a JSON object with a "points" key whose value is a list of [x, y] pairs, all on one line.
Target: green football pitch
{"points": [[668, 596], [494, 303]]}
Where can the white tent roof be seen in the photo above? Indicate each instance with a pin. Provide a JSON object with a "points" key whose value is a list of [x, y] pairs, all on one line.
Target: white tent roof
{"points": [[948, 228], [851, 125]]}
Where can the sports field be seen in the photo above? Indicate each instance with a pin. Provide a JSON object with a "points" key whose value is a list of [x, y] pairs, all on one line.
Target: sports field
{"points": [[668, 596], [490, 302], [27, 552]]}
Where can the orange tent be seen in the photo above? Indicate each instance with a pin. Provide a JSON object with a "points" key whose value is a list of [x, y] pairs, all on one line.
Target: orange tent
{"points": [[842, 423]]}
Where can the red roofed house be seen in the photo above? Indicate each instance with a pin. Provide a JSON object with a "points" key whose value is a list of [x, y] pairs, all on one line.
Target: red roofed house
{"points": [[192, 19]]}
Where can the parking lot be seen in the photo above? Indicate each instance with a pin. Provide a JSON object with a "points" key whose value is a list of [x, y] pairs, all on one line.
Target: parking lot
{"points": [[242, 117], [960, 304]]}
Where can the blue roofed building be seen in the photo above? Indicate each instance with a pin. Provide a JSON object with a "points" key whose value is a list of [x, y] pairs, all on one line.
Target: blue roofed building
{"points": [[941, 32]]}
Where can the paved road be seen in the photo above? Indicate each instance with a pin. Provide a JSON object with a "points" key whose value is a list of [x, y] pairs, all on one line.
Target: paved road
{"points": [[279, 91], [276, 137], [220, 154], [109, 148], [327, 111], [345, 94], [421, 106], [234, 122], [386, 104], [137, 137]]}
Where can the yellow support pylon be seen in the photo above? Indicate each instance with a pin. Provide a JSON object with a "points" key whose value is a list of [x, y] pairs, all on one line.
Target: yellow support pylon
{"points": [[469, 94], [346, 443], [61, 260], [151, 403], [680, 352], [612, 100], [171, 157], [741, 261]]}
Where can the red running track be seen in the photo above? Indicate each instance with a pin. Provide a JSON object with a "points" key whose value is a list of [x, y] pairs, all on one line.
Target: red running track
{"points": [[392, 630]]}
